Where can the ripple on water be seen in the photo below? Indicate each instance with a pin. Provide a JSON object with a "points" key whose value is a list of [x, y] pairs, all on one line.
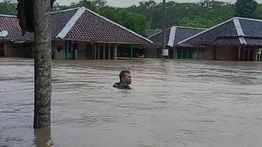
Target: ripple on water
{"points": [[173, 103]]}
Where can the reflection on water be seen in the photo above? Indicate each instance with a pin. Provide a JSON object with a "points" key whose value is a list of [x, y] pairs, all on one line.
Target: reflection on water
{"points": [[173, 103], [43, 137]]}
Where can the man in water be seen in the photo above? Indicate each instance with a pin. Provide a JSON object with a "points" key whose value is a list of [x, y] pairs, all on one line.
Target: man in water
{"points": [[125, 80]]}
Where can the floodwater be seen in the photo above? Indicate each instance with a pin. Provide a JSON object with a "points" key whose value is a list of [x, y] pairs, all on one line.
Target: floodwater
{"points": [[172, 104]]}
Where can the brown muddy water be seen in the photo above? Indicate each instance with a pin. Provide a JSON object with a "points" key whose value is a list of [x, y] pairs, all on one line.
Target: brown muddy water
{"points": [[172, 104]]}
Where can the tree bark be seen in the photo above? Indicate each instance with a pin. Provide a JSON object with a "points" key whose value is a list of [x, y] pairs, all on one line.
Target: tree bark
{"points": [[164, 28], [42, 58]]}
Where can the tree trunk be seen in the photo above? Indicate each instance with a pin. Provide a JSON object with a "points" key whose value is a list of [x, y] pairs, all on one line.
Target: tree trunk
{"points": [[164, 28], [42, 57]]}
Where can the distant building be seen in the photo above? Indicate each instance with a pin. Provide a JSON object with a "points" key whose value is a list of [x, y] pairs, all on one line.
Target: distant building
{"points": [[238, 39], [174, 35], [80, 34]]}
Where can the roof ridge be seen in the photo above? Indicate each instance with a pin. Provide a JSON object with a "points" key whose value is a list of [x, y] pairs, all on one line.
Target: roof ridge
{"points": [[118, 25], [172, 36], [158, 32], [189, 27], [66, 10], [252, 19], [4, 15], [239, 30], [70, 23], [206, 30]]}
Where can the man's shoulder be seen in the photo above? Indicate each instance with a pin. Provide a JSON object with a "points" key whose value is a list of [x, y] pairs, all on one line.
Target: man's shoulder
{"points": [[121, 85], [116, 84]]}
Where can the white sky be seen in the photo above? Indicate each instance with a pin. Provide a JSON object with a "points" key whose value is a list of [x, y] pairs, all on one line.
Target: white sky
{"points": [[126, 3]]}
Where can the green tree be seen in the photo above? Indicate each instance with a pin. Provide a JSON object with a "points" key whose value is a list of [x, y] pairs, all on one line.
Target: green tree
{"points": [[258, 12], [212, 15], [130, 20], [93, 5], [246, 8], [8, 7]]}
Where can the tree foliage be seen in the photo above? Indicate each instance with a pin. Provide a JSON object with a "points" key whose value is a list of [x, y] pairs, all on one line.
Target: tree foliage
{"points": [[206, 13], [8, 7], [246, 8], [148, 14], [133, 21]]}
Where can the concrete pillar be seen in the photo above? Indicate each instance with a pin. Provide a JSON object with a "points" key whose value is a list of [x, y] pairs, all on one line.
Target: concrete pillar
{"points": [[109, 51], [217, 53], [92, 51], [3, 50], [239, 53], [115, 52], [182, 53], [66, 50], [174, 53], [198, 52], [95, 53], [131, 53], [187, 53], [248, 55], [98, 54], [104, 51]]}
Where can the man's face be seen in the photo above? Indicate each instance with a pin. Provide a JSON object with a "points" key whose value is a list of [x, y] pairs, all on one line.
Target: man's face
{"points": [[127, 78]]}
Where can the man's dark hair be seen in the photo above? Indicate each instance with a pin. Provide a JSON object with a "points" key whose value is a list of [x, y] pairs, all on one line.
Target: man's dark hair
{"points": [[122, 74]]}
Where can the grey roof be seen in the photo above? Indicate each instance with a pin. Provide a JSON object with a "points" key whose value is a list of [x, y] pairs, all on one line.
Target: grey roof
{"points": [[59, 20], [174, 35], [183, 33], [235, 31], [157, 38], [151, 32]]}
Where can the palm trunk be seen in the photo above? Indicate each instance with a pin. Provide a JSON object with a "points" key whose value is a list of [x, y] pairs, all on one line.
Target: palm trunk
{"points": [[42, 57]]}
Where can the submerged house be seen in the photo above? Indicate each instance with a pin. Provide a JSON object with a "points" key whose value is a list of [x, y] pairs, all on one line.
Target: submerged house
{"points": [[238, 39], [173, 36], [80, 33], [9, 32]]}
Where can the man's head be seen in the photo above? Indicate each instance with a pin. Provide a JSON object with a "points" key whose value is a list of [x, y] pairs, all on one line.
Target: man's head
{"points": [[125, 77]]}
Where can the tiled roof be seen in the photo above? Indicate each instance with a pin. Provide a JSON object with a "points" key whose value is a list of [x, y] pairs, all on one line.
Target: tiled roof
{"points": [[81, 24], [235, 31], [59, 20], [11, 24], [93, 27], [174, 35]]}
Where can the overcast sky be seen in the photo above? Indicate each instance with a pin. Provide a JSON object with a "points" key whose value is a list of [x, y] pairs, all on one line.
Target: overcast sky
{"points": [[126, 3]]}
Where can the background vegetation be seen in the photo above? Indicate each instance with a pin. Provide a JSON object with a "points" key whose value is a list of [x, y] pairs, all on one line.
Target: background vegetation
{"points": [[147, 15]]}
